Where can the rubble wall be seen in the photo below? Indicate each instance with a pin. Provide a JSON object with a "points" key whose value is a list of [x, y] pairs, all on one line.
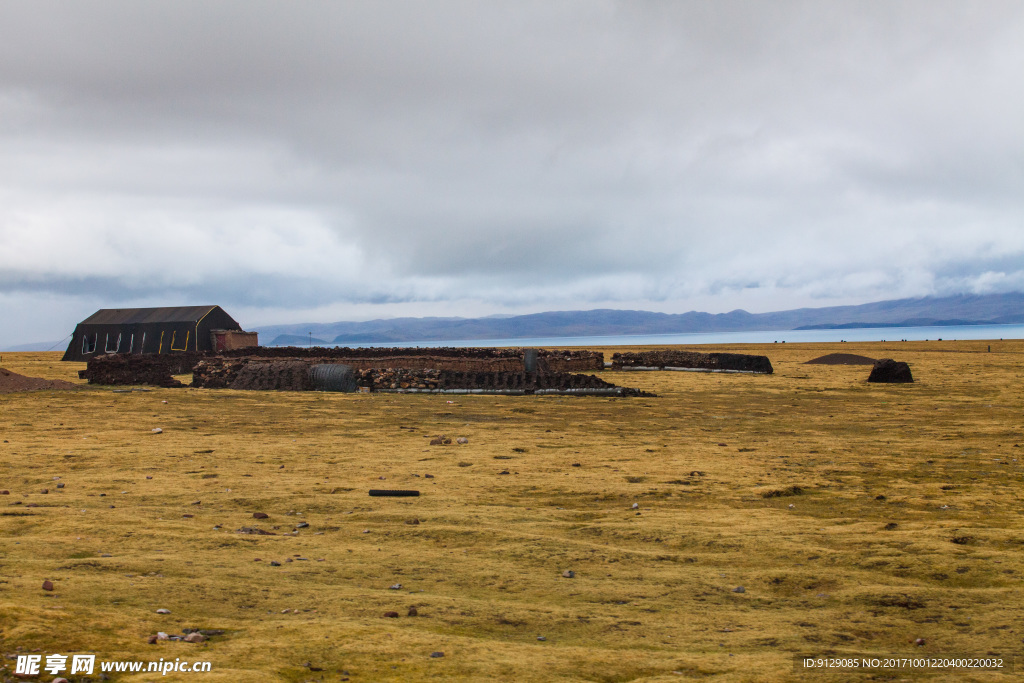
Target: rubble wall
{"points": [[737, 362], [125, 369]]}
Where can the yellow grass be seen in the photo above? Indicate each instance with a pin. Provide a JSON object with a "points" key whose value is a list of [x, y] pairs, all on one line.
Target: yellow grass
{"points": [[652, 599]]}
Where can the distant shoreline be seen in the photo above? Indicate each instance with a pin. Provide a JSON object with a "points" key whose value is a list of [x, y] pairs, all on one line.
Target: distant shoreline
{"points": [[822, 335]]}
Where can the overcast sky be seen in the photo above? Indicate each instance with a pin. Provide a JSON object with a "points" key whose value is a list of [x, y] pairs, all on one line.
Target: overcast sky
{"points": [[322, 161]]}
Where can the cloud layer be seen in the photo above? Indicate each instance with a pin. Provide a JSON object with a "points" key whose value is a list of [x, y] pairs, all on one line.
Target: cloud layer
{"points": [[317, 160]]}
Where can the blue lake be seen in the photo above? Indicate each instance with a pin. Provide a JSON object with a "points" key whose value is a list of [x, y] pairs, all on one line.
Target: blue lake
{"points": [[751, 337]]}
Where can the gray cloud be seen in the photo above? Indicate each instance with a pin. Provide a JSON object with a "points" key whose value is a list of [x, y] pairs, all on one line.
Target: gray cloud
{"points": [[358, 159]]}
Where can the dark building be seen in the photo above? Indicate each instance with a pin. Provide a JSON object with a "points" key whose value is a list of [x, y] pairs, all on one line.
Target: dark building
{"points": [[156, 330]]}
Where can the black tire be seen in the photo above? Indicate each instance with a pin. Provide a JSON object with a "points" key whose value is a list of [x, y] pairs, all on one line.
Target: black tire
{"points": [[392, 492]]}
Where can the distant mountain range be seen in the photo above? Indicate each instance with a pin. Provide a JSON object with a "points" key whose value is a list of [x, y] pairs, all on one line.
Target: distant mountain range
{"points": [[952, 310]]}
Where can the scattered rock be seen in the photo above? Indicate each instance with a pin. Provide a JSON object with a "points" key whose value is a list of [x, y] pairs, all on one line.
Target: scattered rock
{"points": [[5, 492], [436, 655], [636, 506], [260, 515], [412, 521], [254, 530], [541, 638], [391, 615], [429, 476], [195, 638], [45, 491], [576, 464], [60, 486], [163, 610], [890, 371], [151, 640], [413, 612], [462, 440], [157, 430], [47, 585], [919, 642], [396, 587], [569, 574], [162, 636], [739, 589], [59, 680], [890, 526], [275, 563], [302, 525]]}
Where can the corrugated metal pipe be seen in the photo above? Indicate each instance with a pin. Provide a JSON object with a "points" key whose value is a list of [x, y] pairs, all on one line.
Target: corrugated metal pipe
{"points": [[333, 377]]}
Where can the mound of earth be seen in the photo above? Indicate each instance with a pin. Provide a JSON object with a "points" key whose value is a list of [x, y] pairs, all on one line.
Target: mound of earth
{"points": [[841, 359], [12, 381]]}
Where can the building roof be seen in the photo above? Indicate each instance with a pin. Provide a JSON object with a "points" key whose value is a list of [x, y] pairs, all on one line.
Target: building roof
{"points": [[128, 316]]}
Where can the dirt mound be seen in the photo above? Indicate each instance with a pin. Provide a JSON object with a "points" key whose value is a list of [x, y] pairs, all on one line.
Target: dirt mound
{"points": [[841, 359], [12, 381]]}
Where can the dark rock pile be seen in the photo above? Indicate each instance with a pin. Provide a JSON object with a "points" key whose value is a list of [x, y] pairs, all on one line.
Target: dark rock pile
{"points": [[286, 375], [526, 382], [736, 362], [891, 371], [441, 358], [216, 373], [291, 369], [125, 369]]}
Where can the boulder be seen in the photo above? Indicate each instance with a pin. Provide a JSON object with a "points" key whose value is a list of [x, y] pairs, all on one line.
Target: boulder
{"points": [[891, 371]]}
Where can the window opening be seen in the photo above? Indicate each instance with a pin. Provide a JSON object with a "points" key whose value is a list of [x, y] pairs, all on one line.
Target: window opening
{"points": [[174, 336]]}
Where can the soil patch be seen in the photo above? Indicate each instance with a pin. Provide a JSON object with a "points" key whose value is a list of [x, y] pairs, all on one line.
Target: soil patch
{"points": [[12, 381], [841, 359]]}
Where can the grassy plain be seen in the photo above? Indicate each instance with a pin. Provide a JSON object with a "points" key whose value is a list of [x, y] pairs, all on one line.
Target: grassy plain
{"points": [[905, 523]]}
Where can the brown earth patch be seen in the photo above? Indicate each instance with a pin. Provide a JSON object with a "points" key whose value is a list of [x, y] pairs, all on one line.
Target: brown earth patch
{"points": [[12, 381]]}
